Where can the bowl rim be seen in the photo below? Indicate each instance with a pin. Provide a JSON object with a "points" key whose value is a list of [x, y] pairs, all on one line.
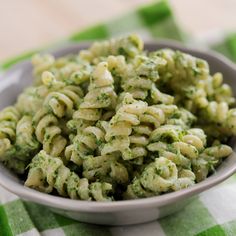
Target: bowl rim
{"points": [[123, 205]]}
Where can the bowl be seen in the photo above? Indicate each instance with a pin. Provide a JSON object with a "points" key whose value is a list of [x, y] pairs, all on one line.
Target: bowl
{"points": [[126, 212]]}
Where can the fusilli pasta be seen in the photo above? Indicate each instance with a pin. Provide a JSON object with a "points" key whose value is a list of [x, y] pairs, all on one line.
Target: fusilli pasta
{"points": [[116, 122], [47, 173]]}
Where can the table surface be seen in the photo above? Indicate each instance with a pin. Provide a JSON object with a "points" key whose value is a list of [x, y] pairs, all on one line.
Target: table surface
{"points": [[28, 24]]}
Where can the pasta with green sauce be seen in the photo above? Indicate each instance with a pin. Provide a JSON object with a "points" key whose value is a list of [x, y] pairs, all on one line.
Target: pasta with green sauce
{"points": [[116, 122]]}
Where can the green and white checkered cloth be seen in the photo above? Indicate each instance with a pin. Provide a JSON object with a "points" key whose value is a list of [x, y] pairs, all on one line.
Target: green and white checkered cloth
{"points": [[211, 213]]}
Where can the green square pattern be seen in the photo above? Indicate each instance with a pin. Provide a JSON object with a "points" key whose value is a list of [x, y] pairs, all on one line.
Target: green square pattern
{"points": [[192, 219], [85, 230], [4, 224], [19, 220], [95, 32], [155, 13]]}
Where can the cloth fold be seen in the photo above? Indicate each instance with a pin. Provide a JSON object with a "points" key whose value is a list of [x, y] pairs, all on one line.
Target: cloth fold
{"points": [[211, 213]]}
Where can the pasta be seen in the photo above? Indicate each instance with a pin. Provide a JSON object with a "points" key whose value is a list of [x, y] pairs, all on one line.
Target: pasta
{"points": [[128, 46], [205, 95], [208, 160], [17, 141], [8, 122], [48, 132], [26, 143], [157, 177], [70, 69], [87, 143], [64, 102], [143, 78], [47, 173], [116, 122], [105, 167], [100, 95]]}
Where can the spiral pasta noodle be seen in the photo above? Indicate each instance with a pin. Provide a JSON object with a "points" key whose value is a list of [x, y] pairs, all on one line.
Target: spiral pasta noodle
{"points": [[47, 173], [209, 159], [41, 63], [186, 76], [100, 95], [221, 120], [64, 102], [69, 69], [107, 168], [48, 133], [120, 128], [142, 80], [126, 46], [181, 117], [26, 142], [17, 140], [159, 176], [9, 118], [178, 145], [31, 99], [182, 67], [186, 178], [152, 118], [87, 143]]}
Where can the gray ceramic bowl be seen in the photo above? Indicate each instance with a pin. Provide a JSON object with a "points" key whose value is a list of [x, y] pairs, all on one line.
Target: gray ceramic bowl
{"points": [[120, 212]]}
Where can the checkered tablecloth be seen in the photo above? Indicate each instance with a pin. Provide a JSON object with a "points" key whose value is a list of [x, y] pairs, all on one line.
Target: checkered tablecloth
{"points": [[211, 213]]}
